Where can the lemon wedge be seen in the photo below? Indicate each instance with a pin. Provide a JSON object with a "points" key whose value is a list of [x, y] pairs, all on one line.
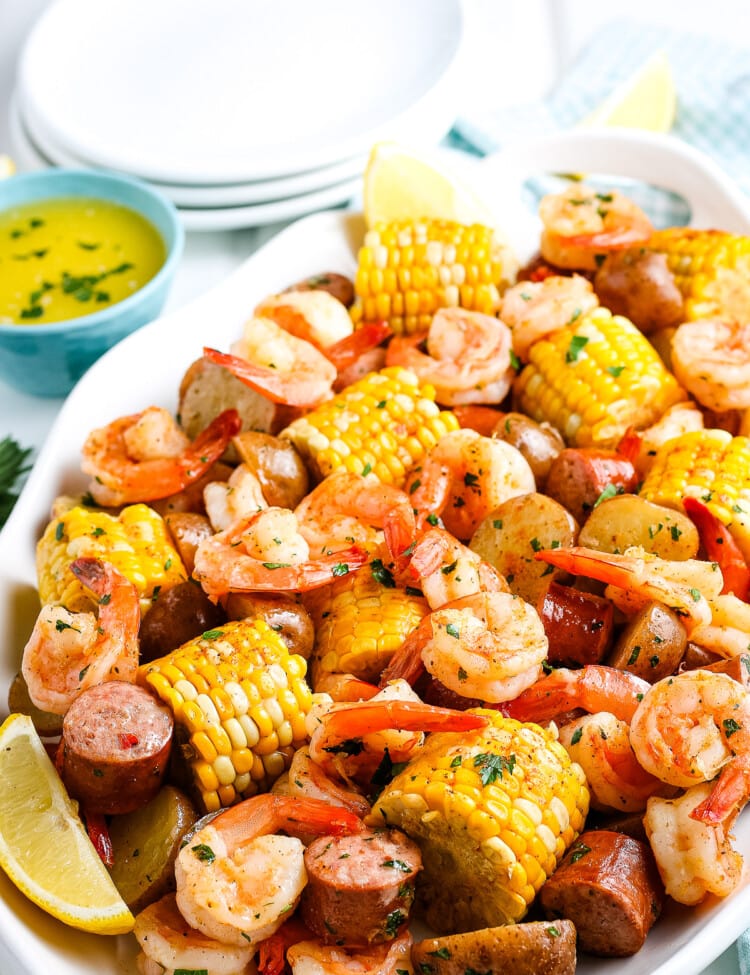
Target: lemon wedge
{"points": [[7, 166], [403, 184], [647, 100], [44, 847]]}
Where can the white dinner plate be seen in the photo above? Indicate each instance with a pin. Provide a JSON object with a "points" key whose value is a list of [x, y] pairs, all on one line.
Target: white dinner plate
{"points": [[146, 369], [186, 92], [211, 196]]}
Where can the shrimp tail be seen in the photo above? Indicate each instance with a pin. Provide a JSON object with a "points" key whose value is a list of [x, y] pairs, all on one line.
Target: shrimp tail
{"points": [[429, 493], [720, 547], [93, 574], [266, 814], [728, 796], [275, 386], [630, 444], [353, 721], [272, 951], [616, 570], [406, 663], [346, 351], [210, 444]]}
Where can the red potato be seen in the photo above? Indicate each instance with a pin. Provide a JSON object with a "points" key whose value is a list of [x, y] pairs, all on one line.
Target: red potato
{"points": [[639, 285], [337, 285], [180, 614]]}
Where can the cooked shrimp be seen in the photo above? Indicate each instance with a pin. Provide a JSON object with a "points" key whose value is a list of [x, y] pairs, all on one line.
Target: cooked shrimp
{"points": [[600, 743], [447, 570], [728, 633], [694, 858], [533, 309], [237, 880], [351, 740], [720, 547], [314, 958], [266, 552], [678, 419], [344, 687], [146, 456], [711, 359], [488, 646], [636, 578], [594, 688], [485, 473], [169, 942], [315, 316], [466, 357], [238, 497], [307, 780], [278, 365], [349, 509], [580, 225], [272, 951], [69, 652], [689, 728]]}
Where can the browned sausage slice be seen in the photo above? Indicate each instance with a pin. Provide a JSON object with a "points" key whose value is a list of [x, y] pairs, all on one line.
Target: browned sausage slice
{"points": [[578, 625], [609, 887], [579, 476], [535, 948], [115, 747], [360, 888]]}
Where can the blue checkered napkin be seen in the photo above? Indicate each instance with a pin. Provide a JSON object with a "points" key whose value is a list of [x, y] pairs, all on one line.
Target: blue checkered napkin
{"points": [[713, 112]]}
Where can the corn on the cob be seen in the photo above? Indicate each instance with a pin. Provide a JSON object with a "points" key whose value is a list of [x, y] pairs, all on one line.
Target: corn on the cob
{"points": [[408, 270], [493, 812], [711, 268], [384, 423], [239, 701], [136, 542], [595, 378], [360, 621], [712, 466]]}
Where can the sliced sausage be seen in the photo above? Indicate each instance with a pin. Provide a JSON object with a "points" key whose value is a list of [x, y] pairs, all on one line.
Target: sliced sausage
{"points": [[608, 886], [738, 668], [579, 476], [534, 948], [115, 747], [181, 613], [579, 625], [289, 618], [361, 887]]}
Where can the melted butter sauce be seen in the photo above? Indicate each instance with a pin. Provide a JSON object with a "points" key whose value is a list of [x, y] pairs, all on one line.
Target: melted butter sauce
{"points": [[65, 258]]}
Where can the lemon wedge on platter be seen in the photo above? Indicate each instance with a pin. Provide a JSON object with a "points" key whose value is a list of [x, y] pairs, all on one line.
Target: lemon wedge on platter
{"points": [[647, 100], [44, 847], [401, 183]]}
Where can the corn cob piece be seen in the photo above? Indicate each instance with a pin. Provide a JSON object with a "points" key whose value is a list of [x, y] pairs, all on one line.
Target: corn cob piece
{"points": [[136, 542], [595, 378], [360, 621], [384, 423], [712, 466], [711, 268], [408, 270], [239, 701], [493, 812]]}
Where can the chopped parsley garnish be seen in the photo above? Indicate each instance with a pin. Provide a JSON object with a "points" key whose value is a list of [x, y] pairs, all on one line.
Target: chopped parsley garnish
{"points": [[492, 766], [382, 575], [577, 344], [204, 853]]}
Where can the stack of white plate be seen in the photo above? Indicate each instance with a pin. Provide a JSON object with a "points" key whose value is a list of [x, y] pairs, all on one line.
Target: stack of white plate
{"points": [[242, 112]]}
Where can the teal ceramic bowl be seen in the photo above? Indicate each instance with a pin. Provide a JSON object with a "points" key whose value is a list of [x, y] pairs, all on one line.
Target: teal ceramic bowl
{"points": [[47, 360]]}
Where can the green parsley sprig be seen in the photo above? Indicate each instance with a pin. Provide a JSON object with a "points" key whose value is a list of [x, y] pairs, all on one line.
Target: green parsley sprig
{"points": [[13, 465]]}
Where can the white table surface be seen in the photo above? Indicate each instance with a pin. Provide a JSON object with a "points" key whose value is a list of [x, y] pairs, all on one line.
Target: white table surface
{"points": [[516, 49]]}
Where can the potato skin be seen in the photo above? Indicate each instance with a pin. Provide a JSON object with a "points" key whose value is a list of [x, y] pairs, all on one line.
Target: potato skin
{"points": [[289, 618], [652, 644], [539, 443], [533, 948], [145, 844], [335, 284], [627, 519], [277, 465], [188, 529], [639, 285], [178, 615], [508, 537]]}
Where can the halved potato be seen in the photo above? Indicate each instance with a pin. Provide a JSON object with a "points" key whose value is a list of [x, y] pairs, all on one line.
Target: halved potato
{"points": [[627, 519]]}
